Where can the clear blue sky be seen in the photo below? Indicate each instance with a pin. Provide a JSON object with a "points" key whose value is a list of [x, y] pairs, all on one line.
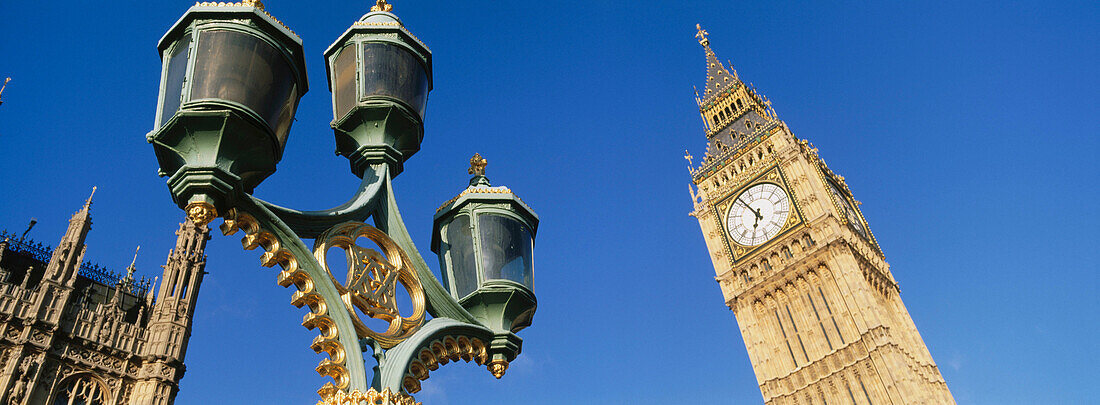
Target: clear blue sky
{"points": [[968, 130]]}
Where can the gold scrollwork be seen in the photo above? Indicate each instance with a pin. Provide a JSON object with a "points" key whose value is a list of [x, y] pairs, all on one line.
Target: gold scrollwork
{"points": [[371, 283], [443, 351], [328, 341], [371, 397]]}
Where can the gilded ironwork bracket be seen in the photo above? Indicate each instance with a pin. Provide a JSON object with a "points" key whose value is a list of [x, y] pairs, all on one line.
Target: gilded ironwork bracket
{"points": [[440, 341], [403, 361], [371, 396], [263, 228]]}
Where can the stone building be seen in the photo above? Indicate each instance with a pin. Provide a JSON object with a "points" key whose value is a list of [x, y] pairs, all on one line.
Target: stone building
{"points": [[817, 305], [75, 333]]}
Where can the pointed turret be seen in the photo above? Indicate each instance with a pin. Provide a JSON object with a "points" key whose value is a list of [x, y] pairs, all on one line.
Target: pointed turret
{"points": [[149, 296], [170, 321], [127, 282], [69, 253], [4, 87]]}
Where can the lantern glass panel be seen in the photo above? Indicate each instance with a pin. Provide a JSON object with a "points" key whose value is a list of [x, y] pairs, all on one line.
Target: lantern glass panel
{"points": [[460, 252], [389, 70], [344, 80], [173, 79], [506, 247], [238, 67]]}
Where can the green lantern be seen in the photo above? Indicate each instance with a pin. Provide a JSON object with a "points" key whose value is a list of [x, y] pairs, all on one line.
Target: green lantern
{"points": [[231, 79], [485, 238], [380, 76]]}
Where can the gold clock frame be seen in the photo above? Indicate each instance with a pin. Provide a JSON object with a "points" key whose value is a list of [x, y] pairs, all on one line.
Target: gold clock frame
{"points": [[735, 251]]}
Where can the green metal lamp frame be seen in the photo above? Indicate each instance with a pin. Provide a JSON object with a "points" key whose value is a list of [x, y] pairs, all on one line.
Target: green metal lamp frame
{"points": [[280, 232]]}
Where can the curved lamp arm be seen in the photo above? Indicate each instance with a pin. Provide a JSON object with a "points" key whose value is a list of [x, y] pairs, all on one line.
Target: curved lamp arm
{"points": [[440, 303], [310, 224], [398, 370]]}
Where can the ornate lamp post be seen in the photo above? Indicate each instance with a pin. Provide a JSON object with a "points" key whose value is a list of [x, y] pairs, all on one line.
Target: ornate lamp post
{"points": [[232, 76]]}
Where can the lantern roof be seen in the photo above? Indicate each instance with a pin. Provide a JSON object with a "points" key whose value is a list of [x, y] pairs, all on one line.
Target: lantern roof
{"points": [[481, 191], [250, 9], [382, 21]]}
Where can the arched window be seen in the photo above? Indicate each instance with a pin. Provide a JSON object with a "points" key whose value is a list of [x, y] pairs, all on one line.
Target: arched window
{"points": [[787, 253], [715, 119], [767, 267], [740, 105], [81, 389], [809, 240], [728, 112]]}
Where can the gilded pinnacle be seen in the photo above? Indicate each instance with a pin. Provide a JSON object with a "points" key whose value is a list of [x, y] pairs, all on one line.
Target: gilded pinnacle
{"points": [[477, 165], [702, 35], [381, 5]]}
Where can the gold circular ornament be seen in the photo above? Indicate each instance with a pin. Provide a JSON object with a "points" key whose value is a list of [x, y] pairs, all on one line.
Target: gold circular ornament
{"points": [[371, 283]]}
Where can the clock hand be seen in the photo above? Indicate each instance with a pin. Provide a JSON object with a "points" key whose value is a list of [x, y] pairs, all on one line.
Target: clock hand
{"points": [[754, 212]]}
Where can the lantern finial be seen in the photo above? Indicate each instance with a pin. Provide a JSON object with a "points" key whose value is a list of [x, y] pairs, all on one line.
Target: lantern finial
{"points": [[477, 165], [477, 168], [381, 5], [254, 3]]}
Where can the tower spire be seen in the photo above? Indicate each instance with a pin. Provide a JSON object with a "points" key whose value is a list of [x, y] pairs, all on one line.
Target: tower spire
{"points": [[66, 258], [4, 87], [732, 111], [718, 77], [88, 202], [130, 269]]}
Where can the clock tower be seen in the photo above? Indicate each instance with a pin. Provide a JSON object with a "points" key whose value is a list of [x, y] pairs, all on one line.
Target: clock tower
{"points": [[817, 305]]}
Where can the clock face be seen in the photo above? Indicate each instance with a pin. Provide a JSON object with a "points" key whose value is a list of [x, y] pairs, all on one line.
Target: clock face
{"points": [[758, 214], [849, 211]]}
